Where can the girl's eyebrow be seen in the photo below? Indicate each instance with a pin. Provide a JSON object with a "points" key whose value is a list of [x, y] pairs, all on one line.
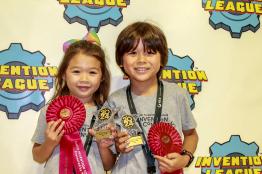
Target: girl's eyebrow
{"points": [[74, 67], [91, 68]]}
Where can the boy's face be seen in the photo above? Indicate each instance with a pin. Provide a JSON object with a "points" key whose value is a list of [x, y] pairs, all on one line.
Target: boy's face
{"points": [[141, 65]]}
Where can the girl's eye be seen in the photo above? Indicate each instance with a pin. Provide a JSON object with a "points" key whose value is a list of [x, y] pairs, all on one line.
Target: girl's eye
{"points": [[76, 71], [93, 72]]}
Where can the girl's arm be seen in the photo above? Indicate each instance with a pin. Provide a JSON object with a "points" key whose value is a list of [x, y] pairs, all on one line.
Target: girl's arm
{"points": [[53, 135], [107, 156]]}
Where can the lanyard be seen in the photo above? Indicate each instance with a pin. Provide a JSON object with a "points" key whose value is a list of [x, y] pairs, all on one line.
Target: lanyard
{"points": [[158, 109], [89, 138]]}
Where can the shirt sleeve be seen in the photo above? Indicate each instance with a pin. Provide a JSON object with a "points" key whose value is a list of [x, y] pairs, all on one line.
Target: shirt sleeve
{"points": [[188, 120], [39, 134]]}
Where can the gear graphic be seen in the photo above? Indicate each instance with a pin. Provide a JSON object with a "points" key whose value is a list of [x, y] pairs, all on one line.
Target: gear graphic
{"points": [[182, 63], [93, 17], [15, 102], [234, 147], [232, 22]]}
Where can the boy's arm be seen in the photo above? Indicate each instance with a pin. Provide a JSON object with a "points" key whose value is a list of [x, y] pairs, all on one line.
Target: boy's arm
{"points": [[190, 140]]}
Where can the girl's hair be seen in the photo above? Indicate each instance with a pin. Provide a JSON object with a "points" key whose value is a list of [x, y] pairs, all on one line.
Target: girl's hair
{"points": [[89, 49], [152, 37]]}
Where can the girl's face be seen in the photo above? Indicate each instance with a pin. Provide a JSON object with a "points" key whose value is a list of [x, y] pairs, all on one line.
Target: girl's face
{"points": [[141, 65], [83, 76]]}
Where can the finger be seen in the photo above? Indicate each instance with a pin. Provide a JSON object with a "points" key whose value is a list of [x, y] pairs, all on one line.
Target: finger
{"points": [[172, 155], [129, 149], [54, 125], [162, 160], [122, 134], [60, 135], [163, 164], [60, 127], [49, 124], [107, 142], [91, 132], [123, 146], [124, 139], [158, 157]]}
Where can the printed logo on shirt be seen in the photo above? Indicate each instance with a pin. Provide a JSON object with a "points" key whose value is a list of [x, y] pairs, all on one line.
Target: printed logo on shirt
{"points": [[148, 119]]}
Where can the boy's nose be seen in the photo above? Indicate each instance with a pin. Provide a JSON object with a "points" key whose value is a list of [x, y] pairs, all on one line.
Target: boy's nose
{"points": [[141, 57]]}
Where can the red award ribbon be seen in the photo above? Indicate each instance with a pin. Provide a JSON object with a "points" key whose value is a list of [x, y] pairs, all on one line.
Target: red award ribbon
{"points": [[72, 154], [163, 139]]}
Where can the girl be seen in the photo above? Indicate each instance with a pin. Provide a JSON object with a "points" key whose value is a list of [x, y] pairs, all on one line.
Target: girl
{"points": [[141, 52], [82, 73]]}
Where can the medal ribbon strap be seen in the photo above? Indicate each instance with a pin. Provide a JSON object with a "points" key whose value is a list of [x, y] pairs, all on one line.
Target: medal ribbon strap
{"points": [[89, 138], [158, 110]]}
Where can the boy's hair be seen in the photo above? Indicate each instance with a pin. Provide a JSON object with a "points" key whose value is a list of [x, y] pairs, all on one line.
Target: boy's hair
{"points": [[152, 38], [89, 49]]}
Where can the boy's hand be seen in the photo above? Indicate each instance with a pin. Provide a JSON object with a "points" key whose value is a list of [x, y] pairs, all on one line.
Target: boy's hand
{"points": [[172, 162], [122, 142], [54, 132]]}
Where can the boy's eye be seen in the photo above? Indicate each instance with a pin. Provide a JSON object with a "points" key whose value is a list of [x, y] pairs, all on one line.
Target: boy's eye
{"points": [[150, 52], [132, 53]]}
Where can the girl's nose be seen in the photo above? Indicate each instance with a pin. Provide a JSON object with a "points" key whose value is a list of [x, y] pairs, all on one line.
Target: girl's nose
{"points": [[83, 77]]}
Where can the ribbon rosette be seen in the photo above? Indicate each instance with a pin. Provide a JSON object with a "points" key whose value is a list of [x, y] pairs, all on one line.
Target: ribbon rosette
{"points": [[163, 139], [72, 154]]}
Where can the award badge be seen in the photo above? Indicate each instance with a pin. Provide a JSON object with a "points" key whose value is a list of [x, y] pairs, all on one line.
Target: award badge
{"points": [[128, 123], [163, 138], [72, 154], [105, 118]]}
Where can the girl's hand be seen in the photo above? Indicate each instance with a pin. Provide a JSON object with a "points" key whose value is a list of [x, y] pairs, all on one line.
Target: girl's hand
{"points": [[106, 142], [172, 162], [54, 132], [122, 141]]}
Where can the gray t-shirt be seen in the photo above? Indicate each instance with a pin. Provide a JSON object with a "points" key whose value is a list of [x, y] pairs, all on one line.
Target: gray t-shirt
{"points": [[52, 164], [175, 110]]}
